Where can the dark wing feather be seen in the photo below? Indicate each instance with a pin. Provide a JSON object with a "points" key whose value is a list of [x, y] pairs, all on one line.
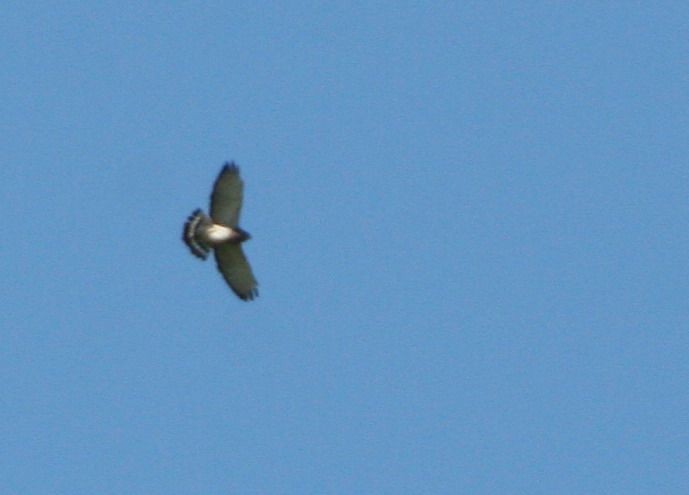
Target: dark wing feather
{"points": [[236, 271], [226, 199]]}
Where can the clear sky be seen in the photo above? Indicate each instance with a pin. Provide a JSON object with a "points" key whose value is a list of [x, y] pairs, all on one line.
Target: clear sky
{"points": [[470, 228]]}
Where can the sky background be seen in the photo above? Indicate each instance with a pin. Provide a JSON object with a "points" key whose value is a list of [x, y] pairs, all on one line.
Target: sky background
{"points": [[469, 226]]}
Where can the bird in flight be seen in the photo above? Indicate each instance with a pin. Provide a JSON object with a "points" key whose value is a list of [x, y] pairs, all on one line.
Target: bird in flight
{"points": [[221, 232]]}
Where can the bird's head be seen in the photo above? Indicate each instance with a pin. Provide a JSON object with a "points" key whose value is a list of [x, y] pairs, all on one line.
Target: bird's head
{"points": [[243, 234]]}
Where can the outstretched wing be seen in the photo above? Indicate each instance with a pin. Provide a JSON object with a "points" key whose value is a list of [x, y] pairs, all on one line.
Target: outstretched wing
{"points": [[226, 199], [236, 270]]}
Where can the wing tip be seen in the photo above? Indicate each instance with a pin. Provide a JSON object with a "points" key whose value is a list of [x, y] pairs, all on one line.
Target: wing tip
{"points": [[230, 167], [248, 296]]}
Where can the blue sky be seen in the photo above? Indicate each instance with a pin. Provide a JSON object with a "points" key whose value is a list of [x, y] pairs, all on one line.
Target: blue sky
{"points": [[469, 225]]}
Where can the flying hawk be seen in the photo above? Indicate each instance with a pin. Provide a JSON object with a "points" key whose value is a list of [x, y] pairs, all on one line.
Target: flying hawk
{"points": [[221, 232]]}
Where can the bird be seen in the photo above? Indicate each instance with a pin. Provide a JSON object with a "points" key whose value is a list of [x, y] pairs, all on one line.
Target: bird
{"points": [[221, 232]]}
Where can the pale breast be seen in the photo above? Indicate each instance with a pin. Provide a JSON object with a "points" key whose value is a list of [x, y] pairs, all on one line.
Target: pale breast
{"points": [[217, 234]]}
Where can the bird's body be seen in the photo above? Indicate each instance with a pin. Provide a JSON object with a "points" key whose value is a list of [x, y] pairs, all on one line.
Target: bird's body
{"points": [[214, 234], [220, 231]]}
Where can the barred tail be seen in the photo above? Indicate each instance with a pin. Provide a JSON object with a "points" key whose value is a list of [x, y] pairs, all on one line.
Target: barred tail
{"points": [[197, 248]]}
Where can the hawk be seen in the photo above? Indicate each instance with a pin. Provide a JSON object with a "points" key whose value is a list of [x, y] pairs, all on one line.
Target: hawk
{"points": [[221, 232]]}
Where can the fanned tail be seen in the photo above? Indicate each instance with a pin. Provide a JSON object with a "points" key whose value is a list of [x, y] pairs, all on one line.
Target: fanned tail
{"points": [[196, 247]]}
